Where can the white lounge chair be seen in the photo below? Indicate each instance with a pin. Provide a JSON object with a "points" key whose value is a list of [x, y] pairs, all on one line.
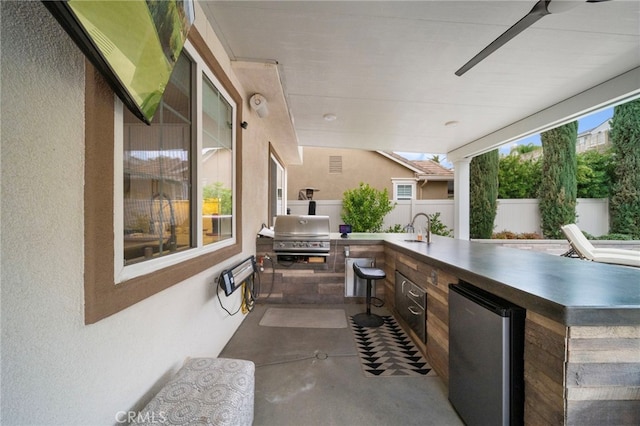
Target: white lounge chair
{"points": [[581, 246]]}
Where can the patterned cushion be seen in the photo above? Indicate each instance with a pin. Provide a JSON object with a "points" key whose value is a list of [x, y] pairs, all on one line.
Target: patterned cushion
{"points": [[205, 391]]}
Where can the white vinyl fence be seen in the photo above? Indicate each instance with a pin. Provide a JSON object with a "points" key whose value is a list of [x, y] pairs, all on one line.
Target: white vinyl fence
{"points": [[517, 216]]}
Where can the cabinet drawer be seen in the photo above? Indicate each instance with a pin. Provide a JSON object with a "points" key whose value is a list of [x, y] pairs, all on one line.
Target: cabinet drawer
{"points": [[416, 320], [417, 295], [411, 304]]}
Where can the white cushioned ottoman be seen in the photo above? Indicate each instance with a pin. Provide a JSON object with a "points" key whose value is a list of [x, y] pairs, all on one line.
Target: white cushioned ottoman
{"points": [[205, 391]]}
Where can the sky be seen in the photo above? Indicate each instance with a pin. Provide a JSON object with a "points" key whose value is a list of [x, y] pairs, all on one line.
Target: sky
{"points": [[585, 123]]}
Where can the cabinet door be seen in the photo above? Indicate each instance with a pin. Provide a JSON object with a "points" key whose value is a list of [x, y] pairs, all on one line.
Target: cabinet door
{"points": [[416, 319]]}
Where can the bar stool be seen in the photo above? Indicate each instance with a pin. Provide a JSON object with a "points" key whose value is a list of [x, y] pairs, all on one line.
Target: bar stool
{"points": [[368, 319]]}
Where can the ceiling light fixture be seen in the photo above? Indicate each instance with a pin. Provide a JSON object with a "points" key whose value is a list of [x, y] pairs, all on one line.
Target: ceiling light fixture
{"points": [[329, 117], [452, 123]]}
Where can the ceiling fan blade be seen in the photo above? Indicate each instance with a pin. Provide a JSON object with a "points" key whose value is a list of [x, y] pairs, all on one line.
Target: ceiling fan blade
{"points": [[538, 11]]}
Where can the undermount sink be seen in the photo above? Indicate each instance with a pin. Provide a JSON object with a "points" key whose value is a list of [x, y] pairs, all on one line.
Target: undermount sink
{"points": [[415, 241]]}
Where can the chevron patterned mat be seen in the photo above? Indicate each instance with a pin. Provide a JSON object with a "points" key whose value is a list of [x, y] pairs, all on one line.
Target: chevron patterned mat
{"points": [[387, 351]]}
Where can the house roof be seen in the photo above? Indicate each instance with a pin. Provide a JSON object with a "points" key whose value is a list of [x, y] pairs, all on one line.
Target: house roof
{"points": [[432, 170], [160, 167], [602, 127], [424, 169]]}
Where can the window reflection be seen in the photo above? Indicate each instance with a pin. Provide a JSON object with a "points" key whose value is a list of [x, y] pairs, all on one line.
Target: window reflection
{"points": [[157, 174], [217, 161]]}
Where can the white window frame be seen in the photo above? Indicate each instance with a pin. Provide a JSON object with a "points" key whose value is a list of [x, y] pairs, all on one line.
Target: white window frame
{"points": [[403, 182], [124, 272], [280, 193]]}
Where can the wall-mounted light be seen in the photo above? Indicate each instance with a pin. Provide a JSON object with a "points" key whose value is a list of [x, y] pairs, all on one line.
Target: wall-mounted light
{"points": [[259, 105]]}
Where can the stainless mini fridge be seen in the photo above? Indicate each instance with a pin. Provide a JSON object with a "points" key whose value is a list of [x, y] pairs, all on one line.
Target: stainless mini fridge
{"points": [[486, 348]]}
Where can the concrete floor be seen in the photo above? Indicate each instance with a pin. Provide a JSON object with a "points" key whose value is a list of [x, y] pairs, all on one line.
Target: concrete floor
{"points": [[311, 376]]}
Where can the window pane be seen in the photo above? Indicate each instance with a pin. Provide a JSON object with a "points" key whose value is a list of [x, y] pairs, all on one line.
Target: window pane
{"points": [[157, 174], [217, 165], [404, 192]]}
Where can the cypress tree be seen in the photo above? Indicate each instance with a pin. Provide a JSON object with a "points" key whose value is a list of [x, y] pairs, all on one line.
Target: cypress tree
{"points": [[559, 186], [625, 137], [483, 194]]}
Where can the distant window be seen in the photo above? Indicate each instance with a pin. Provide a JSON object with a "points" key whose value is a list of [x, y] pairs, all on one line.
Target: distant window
{"points": [[335, 164], [404, 190]]}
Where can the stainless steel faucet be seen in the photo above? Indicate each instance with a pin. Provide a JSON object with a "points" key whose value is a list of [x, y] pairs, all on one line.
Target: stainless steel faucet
{"points": [[410, 227]]}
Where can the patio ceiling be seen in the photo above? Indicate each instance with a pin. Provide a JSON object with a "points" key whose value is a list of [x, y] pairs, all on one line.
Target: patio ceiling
{"points": [[385, 69]]}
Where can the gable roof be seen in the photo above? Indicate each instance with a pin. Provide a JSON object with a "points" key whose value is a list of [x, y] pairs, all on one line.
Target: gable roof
{"points": [[431, 168], [424, 169]]}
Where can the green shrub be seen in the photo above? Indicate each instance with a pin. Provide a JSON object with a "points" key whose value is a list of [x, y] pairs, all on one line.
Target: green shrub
{"points": [[618, 237], [518, 178], [439, 228], [218, 191], [365, 207], [595, 174], [395, 229]]}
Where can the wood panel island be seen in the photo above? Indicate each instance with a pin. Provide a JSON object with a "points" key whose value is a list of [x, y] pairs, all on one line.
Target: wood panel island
{"points": [[582, 329]]}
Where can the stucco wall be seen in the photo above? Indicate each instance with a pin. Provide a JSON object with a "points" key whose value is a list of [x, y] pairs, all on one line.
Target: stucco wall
{"points": [[434, 190], [357, 166], [55, 369]]}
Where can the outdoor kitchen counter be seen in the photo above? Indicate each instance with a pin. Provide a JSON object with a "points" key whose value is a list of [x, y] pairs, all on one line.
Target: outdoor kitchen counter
{"points": [[582, 326], [567, 290]]}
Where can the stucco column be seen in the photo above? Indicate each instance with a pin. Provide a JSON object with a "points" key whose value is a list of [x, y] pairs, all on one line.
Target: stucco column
{"points": [[461, 198]]}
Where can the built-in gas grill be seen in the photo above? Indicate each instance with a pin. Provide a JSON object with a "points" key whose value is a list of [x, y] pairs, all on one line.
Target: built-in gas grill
{"points": [[301, 235]]}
